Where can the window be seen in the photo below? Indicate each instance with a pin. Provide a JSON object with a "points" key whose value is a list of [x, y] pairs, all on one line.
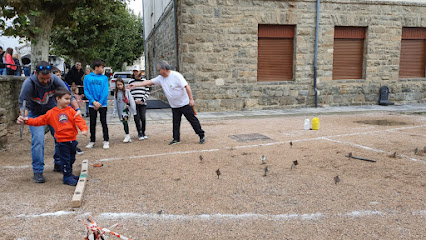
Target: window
{"points": [[275, 53], [348, 53], [413, 53]]}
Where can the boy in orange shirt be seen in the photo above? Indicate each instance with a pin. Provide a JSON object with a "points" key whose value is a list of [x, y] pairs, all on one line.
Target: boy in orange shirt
{"points": [[62, 119]]}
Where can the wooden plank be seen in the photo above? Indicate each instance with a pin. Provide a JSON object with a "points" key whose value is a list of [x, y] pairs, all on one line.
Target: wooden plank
{"points": [[79, 189]]}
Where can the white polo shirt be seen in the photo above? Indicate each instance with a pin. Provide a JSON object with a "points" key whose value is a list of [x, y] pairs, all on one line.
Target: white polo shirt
{"points": [[174, 88]]}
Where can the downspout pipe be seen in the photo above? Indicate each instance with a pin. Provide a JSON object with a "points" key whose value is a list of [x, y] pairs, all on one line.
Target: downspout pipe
{"points": [[316, 53], [144, 39], [176, 35]]}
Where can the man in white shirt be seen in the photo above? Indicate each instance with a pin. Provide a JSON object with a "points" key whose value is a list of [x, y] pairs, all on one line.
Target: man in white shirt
{"points": [[179, 95]]}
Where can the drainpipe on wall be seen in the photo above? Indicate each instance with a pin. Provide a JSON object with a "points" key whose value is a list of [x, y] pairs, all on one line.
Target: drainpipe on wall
{"points": [[143, 36], [176, 35], [316, 53]]}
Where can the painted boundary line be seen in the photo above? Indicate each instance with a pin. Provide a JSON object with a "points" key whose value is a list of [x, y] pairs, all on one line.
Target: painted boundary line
{"points": [[327, 138], [372, 149], [242, 216]]}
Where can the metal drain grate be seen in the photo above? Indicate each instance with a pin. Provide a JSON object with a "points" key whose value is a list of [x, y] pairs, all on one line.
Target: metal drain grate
{"points": [[249, 137]]}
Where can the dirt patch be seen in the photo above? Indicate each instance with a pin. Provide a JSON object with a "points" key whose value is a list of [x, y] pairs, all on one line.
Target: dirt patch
{"points": [[382, 122], [156, 191]]}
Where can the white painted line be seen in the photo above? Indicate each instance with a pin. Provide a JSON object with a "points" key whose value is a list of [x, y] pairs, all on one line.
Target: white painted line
{"points": [[16, 167], [54, 214], [260, 145], [371, 149], [221, 216], [421, 212], [353, 145], [363, 213], [156, 155], [206, 217], [412, 159]]}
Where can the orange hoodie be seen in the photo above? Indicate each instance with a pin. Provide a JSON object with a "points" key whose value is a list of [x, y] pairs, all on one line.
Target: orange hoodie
{"points": [[63, 121]]}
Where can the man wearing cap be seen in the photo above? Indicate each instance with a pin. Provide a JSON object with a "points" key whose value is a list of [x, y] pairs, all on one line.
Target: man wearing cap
{"points": [[38, 90]]}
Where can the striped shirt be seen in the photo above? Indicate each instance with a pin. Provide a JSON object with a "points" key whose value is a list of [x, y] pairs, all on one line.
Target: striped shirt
{"points": [[139, 93]]}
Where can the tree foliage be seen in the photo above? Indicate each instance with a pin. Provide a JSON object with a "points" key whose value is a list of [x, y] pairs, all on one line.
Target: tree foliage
{"points": [[83, 30], [111, 34]]}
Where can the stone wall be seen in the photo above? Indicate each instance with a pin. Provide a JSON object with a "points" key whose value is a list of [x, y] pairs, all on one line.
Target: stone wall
{"points": [[218, 52], [10, 87], [161, 45], [3, 128]]}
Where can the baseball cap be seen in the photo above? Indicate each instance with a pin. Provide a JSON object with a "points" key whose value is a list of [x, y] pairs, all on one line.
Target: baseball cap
{"points": [[136, 68], [43, 67]]}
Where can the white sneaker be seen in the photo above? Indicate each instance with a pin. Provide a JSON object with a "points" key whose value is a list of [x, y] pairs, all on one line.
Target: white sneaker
{"points": [[106, 145], [145, 137], [127, 139], [90, 145]]}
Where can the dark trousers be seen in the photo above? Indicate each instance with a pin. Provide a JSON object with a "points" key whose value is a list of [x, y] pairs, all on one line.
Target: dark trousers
{"points": [[93, 115], [67, 156], [9, 71], [140, 117], [125, 121], [188, 112]]}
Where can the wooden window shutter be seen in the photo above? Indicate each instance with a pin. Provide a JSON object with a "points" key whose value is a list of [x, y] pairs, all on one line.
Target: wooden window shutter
{"points": [[348, 53], [275, 53], [413, 53]]}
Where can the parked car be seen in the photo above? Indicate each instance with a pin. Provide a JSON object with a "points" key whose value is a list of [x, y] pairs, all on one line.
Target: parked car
{"points": [[126, 76]]}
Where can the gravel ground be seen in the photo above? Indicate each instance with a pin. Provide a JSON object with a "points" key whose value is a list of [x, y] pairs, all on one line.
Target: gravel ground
{"points": [[156, 191]]}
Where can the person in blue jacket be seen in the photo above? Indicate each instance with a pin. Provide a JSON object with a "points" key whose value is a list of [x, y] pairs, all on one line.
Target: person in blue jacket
{"points": [[96, 91], [37, 91]]}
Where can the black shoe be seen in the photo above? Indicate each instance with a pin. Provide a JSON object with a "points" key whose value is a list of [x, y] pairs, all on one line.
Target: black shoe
{"points": [[38, 178], [202, 140], [174, 142], [57, 168], [79, 151], [70, 181]]}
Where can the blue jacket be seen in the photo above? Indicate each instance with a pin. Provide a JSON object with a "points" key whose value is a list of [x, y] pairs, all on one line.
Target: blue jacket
{"points": [[39, 99], [96, 89]]}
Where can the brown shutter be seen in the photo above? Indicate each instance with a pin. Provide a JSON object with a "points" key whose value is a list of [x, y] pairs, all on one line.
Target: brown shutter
{"points": [[413, 53], [414, 33], [348, 53], [275, 53]]}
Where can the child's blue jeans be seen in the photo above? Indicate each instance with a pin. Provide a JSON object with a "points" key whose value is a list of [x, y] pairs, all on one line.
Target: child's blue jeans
{"points": [[37, 146], [67, 156]]}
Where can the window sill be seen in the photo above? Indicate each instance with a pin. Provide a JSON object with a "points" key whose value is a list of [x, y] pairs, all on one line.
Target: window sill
{"points": [[411, 79], [348, 80], [284, 82]]}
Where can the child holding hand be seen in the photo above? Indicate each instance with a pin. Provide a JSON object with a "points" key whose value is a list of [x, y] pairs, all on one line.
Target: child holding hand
{"points": [[64, 120], [123, 103]]}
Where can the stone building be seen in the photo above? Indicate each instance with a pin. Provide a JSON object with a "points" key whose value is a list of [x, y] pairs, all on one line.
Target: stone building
{"points": [[260, 54]]}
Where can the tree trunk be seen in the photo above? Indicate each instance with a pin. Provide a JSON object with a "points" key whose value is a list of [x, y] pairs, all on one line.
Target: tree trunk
{"points": [[40, 43]]}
